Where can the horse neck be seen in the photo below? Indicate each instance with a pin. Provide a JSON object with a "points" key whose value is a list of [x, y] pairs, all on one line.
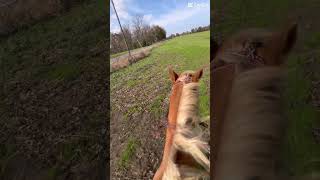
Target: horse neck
{"points": [[220, 84], [182, 106], [174, 103], [253, 127], [172, 120]]}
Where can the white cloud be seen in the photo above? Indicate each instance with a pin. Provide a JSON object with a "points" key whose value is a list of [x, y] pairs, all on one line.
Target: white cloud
{"points": [[147, 18], [114, 28], [121, 8], [177, 15], [123, 14], [170, 19]]}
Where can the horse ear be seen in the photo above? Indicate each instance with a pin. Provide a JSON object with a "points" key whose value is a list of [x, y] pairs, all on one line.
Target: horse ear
{"points": [[198, 75], [290, 35], [173, 75], [283, 42]]}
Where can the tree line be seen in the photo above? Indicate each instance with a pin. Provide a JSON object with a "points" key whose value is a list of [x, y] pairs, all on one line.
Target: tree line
{"points": [[138, 34], [194, 30]]}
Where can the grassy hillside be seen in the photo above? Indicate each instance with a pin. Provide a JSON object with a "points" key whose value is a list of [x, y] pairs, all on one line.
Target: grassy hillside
{"points": [[301, 152], [139, 100], [53, 97]]}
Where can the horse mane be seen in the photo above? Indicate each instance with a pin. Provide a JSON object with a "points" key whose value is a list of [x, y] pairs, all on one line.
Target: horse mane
{"points": [[188, 137], [254, 126]]}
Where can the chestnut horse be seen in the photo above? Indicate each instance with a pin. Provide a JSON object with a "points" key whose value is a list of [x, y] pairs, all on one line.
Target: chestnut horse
{"points": [[185, 153], [248, 117]]}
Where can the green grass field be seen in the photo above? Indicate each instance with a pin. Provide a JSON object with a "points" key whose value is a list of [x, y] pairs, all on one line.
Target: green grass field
{"points": [[140, 93], [189, 52], [301, 153]]}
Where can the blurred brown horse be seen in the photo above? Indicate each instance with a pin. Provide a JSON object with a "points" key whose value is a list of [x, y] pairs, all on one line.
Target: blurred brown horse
{"points": [[246, 105], [185, 153]]}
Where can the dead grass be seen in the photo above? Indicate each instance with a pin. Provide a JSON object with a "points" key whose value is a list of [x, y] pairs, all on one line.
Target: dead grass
{"points": [[125, 61]]}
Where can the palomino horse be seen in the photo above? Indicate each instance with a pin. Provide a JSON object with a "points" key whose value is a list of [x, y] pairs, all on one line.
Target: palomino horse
{"points": [[185, 153], [249, 122]]}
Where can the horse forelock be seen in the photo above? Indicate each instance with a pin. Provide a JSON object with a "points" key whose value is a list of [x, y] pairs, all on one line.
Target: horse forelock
{"points": [[187, 72]]}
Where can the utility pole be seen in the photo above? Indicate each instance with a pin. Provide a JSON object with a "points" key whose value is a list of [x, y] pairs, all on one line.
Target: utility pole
{"points": [[125, 40]]}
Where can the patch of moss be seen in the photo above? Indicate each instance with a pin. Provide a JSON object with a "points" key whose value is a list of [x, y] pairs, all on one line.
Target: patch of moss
{"points": [[128, 152]]}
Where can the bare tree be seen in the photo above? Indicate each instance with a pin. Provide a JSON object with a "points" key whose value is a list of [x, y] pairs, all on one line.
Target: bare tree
{"points": [[140, 34], [138, 24], [148, 36], [128, 34], [117, 43]]}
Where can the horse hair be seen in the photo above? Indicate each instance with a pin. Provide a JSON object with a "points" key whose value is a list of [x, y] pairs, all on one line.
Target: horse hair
{"points": [[188, 137], [254, 126]]}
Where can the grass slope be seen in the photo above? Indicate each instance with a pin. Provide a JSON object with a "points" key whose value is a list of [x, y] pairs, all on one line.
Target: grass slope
{"points": [[189, 52], [141, 92]]}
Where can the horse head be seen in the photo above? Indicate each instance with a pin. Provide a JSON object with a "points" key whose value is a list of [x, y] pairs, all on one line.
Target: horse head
{"points": [[185, 77], [243, 51], [181, 149]]}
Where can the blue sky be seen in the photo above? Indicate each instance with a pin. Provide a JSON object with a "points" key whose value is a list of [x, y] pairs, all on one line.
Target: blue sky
{"points": [[175, 16]]}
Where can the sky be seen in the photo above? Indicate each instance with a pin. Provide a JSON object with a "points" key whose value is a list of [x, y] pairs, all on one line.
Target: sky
{"points": [[175, 16]]}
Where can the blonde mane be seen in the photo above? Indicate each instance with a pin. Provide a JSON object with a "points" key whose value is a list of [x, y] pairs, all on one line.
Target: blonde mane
{"points": [[254, 126], [188, 138]]}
